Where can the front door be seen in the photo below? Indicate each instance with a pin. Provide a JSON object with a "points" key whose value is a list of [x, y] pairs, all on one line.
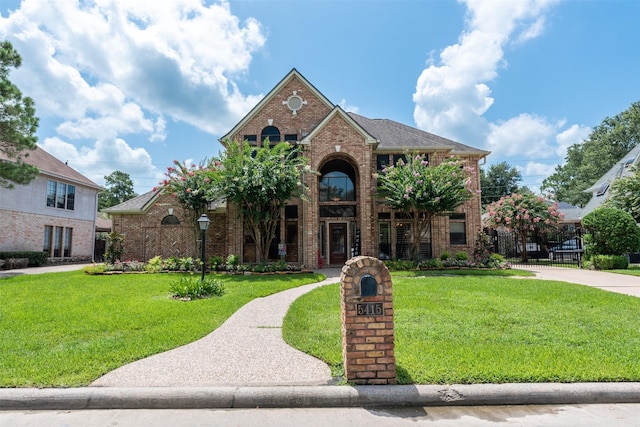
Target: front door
{"points": [[338, 243]]}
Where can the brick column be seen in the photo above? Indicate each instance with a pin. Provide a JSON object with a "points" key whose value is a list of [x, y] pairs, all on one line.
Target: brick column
{"points": [[367, 322]]}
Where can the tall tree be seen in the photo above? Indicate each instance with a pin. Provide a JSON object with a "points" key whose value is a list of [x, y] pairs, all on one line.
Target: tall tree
{"points": [[118, 189], [586, 162], [500, 180], [260, 181], [18, 124], [523, 213], [423, 191]]}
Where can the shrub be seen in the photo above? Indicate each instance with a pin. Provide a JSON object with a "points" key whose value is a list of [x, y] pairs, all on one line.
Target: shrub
{"points": [[431, 263], [610, 232], [189, 288], [115, 247], [232, 262], [445, 255], [186, 264], [482, 248], [36, 259], [216, 263], [609, 262], [462, 256], [155, 264], [400, 265], [95, 269]]}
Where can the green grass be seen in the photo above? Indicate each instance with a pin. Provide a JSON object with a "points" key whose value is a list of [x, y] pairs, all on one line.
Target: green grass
{"points": [[633, 270], [67, 329], [488, 330]]}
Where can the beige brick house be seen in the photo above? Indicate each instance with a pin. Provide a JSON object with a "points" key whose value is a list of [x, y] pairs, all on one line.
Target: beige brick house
{"points": [[54, 213], [343, 217]]}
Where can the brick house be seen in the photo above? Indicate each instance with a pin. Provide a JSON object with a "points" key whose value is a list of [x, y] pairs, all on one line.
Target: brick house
{"points": [[343, 217], [55, 213]]}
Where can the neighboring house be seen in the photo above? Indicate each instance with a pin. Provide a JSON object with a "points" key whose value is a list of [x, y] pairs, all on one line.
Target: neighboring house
{"points": [[55, 213], [601, 189], [346, 149]]}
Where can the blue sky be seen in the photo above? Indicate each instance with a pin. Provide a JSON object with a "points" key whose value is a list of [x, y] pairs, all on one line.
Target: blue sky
{"points": [[131, 86]]}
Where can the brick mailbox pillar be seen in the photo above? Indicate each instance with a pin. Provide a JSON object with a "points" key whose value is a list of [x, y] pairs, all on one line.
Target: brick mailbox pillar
{"points": [[367, 322]]}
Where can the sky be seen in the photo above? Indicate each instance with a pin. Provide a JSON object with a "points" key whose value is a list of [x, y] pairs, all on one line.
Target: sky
{"points": [[134, 85]]}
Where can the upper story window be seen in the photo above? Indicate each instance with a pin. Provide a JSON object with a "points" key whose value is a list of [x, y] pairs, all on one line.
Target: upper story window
{"points": [[251, 139], [271, 132], [61, 195], [336, 186]]}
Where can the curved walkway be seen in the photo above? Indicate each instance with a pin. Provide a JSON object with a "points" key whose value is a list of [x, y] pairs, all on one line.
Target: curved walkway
{"points": [[247, 350]]}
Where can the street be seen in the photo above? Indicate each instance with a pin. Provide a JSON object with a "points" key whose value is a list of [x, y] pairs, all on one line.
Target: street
{"points": [[612, 415]]}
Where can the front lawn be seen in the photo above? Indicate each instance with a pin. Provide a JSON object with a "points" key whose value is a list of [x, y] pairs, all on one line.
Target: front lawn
{"points": [[67, 329], [488, 330]]}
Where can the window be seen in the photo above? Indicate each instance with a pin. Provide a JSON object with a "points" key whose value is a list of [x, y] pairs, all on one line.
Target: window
{"points": [[271, 132], [48, 235], [68, 234], [398, 157], [61, 195], [291, 138], [384, 240], [58, 241], [170, 220], [336, 186], [382, 160], [457, 229], [251, 138]]}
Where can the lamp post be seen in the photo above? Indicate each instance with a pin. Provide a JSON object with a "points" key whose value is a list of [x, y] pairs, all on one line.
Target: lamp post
{"points": [[203, 223]]}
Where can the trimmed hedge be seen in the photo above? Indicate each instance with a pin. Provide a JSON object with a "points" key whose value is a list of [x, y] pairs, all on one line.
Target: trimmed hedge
{"points": [[36, 259]]}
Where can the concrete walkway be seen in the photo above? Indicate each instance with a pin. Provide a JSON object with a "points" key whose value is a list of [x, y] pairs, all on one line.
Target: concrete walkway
{"points": [[247, 350], [620, 283]]}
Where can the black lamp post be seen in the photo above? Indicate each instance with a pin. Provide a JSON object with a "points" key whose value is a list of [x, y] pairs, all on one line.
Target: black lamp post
{"points": [[203, 223]]}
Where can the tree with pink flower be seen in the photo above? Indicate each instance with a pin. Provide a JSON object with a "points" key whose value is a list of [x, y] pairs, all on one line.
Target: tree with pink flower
{"points": [[193, 187], [422, 191], [524, 213]]}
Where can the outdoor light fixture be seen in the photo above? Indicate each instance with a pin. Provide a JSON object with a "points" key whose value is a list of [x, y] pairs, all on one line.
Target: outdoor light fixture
{"points": [[203, 223]]}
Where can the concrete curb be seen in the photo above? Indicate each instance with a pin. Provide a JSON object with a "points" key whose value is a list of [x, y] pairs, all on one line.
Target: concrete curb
{"points": [[317, 396]]}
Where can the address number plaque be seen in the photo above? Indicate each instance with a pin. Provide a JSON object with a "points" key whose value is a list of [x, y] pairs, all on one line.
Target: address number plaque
{"points": [[369, 309]]}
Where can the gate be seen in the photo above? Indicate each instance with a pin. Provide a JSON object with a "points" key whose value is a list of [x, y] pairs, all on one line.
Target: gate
{"points": [[559, 248]]}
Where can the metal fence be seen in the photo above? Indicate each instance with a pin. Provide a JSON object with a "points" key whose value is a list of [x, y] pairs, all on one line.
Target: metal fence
{"points": [[561, 248]]}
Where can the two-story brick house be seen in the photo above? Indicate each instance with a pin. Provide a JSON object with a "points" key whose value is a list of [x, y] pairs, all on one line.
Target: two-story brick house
{"points": [[54, 213], [343, 217]]}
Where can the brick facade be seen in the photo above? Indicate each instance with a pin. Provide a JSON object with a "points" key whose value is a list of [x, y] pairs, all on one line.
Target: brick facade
{"points": [[332, 140]]}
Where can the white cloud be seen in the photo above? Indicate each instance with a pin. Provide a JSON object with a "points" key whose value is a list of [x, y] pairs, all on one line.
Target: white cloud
{"points": [[524, 135], [574, 135], [348, 108], [105, 157], [453, 95], [89, 60]]}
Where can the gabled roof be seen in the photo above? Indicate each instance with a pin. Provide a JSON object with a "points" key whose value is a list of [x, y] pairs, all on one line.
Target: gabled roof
{"points": [[51, 166], [337, 111], [601, 189], [394, 136], [290, 76], [138, 204]]}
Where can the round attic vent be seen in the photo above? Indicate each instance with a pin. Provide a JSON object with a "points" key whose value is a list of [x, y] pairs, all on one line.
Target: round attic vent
{"points": [[294, 103]]}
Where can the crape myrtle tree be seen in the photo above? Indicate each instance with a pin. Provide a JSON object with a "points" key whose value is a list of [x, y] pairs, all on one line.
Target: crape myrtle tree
{"points": [[18, 124], [423, 191], [193, 187], [524, 213], [260, 181]]}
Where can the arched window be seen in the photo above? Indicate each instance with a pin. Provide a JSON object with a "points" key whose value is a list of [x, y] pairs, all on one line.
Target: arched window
{"points": [[170, 220], [337, 179], [271, 132]]}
